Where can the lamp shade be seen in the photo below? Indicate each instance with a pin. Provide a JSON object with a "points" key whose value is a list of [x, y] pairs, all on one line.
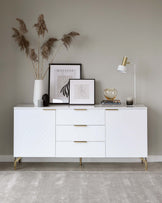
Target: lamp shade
{"points": [[122, 69]]}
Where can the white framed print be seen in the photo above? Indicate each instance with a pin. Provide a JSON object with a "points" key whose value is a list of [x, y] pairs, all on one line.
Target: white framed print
{"points": [[82, 91], [58, 82]]}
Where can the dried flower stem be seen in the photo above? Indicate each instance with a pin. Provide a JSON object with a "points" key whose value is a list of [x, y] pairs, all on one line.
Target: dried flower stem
{"points": [[42, 68], [58, 48], [44, 51], [45, 73], [35, 74], [35, 67], [22, 26], [56, 52], [38, 56]]}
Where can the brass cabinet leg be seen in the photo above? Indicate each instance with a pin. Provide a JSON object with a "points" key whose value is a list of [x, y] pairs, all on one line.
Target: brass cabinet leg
{"points": [[17, 160], [144, 161], [80, 161], [146, 165]]}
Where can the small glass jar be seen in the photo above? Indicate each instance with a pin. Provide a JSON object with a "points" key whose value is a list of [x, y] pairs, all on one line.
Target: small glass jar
{"points": [[129, 101]]}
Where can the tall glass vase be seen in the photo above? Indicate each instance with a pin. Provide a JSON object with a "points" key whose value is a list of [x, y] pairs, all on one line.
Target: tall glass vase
{"points": [[38, 91]]}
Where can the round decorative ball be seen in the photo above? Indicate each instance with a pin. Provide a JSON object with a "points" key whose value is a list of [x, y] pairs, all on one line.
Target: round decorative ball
{"points": [[110, 93]]}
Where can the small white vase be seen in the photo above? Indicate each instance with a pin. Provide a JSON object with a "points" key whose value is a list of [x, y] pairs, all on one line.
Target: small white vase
{"points": [[38, 91]]}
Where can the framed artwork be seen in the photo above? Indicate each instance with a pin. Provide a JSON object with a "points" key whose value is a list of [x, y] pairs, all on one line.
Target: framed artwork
{"points": [[82, 91], [58, 82]]}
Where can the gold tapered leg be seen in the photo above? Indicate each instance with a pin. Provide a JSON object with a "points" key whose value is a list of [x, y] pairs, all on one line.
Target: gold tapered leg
{"points": [[144, 161], [18, 160], [146, 165], [80, 161]]}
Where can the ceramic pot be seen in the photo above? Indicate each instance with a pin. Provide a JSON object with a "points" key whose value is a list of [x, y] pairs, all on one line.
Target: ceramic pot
{"points": [[38, 91]]}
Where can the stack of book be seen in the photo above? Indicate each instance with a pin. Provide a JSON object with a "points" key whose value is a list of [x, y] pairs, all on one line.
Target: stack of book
{"points": [[111, 102]]}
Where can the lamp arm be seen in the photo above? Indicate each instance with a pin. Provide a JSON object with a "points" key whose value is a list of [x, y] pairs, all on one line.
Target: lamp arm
{"points": [[134, 83]]}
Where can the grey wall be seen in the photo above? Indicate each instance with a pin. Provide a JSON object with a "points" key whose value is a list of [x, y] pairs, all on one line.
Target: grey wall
{"points": [[109, 29]]}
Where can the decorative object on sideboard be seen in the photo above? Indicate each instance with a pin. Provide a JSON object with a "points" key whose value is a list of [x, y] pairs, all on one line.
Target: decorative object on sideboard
{"points": [[40, 103], [43, 54], [45, 99], [129, 101], [38, 91], [111, 102], [110, 93], [82, 91], [58, 85], [123, 69]]}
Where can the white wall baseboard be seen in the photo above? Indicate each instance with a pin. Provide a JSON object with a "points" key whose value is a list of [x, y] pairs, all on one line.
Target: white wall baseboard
{"points": [[155, 158], [151, 158]]}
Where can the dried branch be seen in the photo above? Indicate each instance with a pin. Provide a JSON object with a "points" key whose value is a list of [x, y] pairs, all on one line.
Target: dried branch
{"points": [[56, 52], [33, 56], [41, 26], [22, 26], [34, 69], [44, 51], [23, 43], [73, 34], [47, 47], [67, 38]]}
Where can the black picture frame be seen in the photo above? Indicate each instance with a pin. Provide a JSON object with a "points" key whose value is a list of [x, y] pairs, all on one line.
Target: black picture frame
{"points": [[51, 74], [82, 103]]}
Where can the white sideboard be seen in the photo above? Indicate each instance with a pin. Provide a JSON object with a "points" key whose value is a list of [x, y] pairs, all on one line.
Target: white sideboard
{"points": [[80, 131]]}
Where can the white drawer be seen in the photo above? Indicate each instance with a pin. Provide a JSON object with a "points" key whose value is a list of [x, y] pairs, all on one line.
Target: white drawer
{"points": [[72, 149], [80, 132], [80, 116]]}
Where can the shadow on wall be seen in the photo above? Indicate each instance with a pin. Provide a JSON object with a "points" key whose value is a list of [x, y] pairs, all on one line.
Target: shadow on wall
{"points": [[98, 91]]}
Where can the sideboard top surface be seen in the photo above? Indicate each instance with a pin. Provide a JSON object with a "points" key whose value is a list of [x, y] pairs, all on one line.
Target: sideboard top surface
{"points": [[90, 107]]}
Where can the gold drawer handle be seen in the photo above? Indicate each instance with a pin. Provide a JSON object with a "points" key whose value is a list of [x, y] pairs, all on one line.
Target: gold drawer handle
{"points": [[49, 109], [80, 141], [80, 109], [80, 125], [112, 109]]}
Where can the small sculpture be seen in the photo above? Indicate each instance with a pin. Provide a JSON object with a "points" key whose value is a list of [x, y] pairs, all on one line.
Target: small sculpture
{"points": [[110, 93], [45, 99]]}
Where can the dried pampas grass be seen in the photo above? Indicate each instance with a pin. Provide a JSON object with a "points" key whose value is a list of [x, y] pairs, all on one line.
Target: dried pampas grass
{"points": [[33, 56], [43, 52], [22, 26], [41, 26], [23, 43], [47, 47], [67, 38]]}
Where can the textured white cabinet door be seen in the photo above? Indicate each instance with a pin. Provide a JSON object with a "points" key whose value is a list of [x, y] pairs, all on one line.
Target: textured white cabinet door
{"points": [[126, 133], [34, 133]]}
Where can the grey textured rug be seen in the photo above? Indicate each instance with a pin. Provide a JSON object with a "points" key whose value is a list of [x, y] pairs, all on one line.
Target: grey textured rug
{"points": [[80, 187]]}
